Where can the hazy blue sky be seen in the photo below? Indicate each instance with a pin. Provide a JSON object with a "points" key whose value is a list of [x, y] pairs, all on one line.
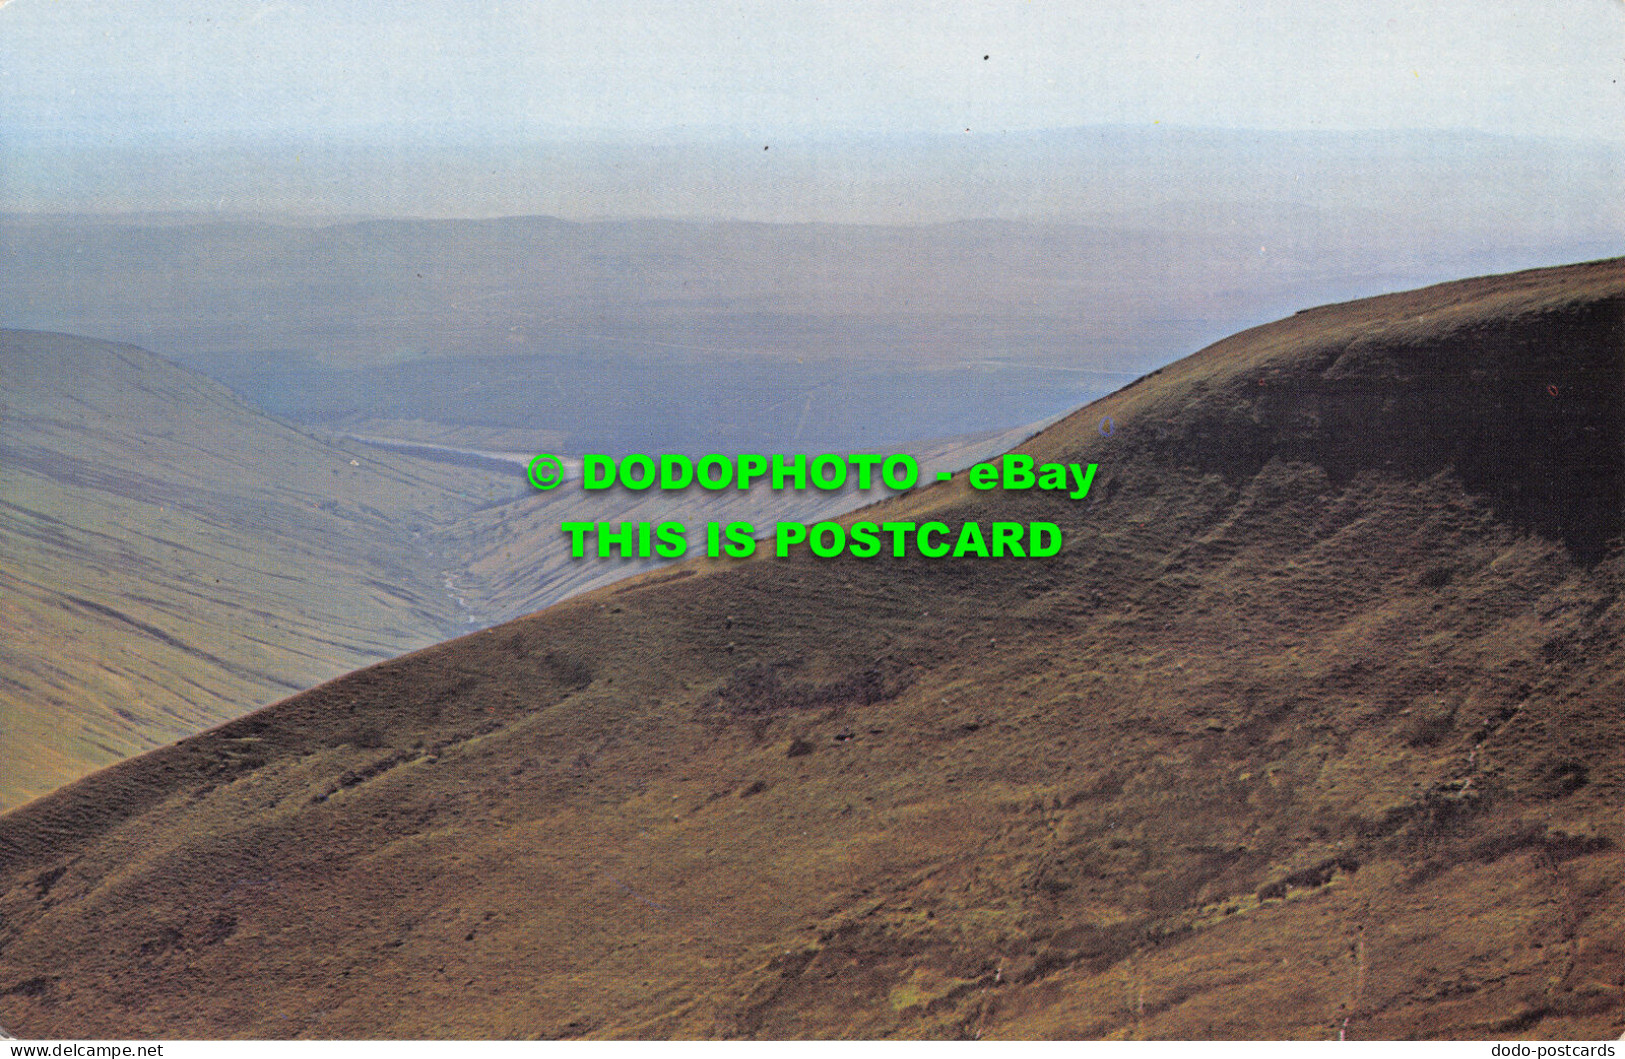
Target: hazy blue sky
{"points": [[178, 69]]}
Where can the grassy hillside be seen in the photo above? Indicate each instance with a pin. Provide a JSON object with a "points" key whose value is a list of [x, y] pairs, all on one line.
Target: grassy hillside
{"points": [[170, 557], [1311, 728]]}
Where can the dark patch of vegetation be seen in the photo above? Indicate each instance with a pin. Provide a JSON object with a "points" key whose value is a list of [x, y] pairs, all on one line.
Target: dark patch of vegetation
{"points": [[355, 777], [758, 691], [219, 927], [47, 879], [1437, 576], [1563, 778], [1428, 726]]}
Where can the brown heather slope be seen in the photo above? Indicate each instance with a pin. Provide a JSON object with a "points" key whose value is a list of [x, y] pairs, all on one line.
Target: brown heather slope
{"points": [[1313, 726]]}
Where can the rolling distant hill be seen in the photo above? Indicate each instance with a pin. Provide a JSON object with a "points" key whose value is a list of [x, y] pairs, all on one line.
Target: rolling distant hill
{"points": [[170, 557], [666, 335], [1311, 729], [633, 336]]}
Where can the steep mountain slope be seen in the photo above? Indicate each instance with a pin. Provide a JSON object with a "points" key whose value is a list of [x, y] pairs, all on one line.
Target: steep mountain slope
{"points": [[1312, 728], [170, 557]]}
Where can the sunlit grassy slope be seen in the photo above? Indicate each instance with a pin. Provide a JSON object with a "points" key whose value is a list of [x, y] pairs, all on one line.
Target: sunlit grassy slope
{"points": [[1312, 728], [170, 557]]}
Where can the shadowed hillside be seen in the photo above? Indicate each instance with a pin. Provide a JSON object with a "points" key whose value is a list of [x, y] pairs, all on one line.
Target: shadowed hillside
{"points": [[1312, 727]]}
